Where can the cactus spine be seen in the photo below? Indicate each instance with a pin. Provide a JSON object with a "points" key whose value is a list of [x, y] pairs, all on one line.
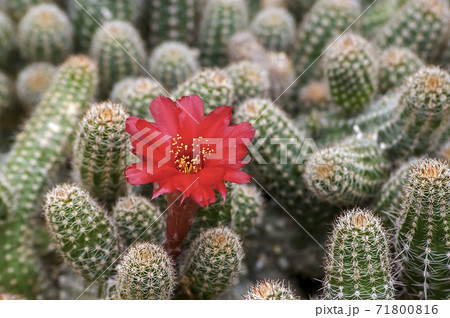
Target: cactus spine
{"points": [[358, 264], [270, 290], [171, 63], [212, 263], [423, 237], [100, 152], [138, 219], [6, 200], [45, 34], [118, 49], [145, 272], [7, 42], [221, 19], [83, 231]]}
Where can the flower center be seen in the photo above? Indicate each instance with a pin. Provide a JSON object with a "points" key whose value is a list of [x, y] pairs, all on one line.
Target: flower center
{"points": [[190, 157]]}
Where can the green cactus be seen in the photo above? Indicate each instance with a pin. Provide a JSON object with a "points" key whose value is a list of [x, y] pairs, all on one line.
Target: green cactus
{"points": [[351, 68], [396, 64], [136, 95], [119, 52], [45, 34], [212, 85], [377, 16], [138, 219], [100, 153], [212, 263], [423, 240], [18, 8], [7, 40], [37, 153], [6, 92], [87, 237], [348, 172], [420, 26], [6, 200], [171, 20], [221, 19], [315, 96], [326, 20], [249, 80], [358, 265], [171, 63], [275, 28], [270, 290], [421, 117], [88, 15], [33, 81]]}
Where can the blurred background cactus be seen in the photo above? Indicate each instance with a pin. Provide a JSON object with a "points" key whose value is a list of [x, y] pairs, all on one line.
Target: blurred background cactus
{"points": [[349, 100]]}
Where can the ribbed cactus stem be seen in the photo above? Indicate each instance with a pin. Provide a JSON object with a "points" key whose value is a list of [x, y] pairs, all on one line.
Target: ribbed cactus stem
{"points": [[83, 231], [270, 290], [423, 237], [18, 8], [100, 152], [7, 40], [146, 272], [358, 265], [212, 264]]}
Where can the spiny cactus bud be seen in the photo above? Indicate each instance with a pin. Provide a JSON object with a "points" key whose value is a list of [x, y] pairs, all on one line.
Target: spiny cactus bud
{"points": [[396, 64], [422, 116], [347, 172], [326, 20], [138, 219], [145, 272], [45, 34], [7, 42], [171, 63], [100, 152], [315, 96], [244, 46], [118, 49], [270, 290], [136, 94], [249, 80], [212, 263], [33, 81], [221, 19], [212, 85], [85, 234], [6, 92], [100, 11], [423, 240], [18, 8], [358, 265], [420, 26], [171, 20], [351, 67], [275, 28]]}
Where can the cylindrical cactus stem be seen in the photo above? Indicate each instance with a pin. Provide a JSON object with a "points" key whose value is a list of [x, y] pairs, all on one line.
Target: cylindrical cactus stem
{"points": [[358, 264], [275, 28], [146, 272], [136, 94], [18, 8], [45, 34], [348, 172], [421, 117], [396, 64], [36, 155], [351, 68], [268, 289], [221, 19], [33, 81], [119, 51], [249, 80], [7, 95], [423, 237], [171, 63], [138, 219], [100, 152], [88, 15], [6, 201], [420, 26], [326, 20], [87, 237], [7, 40], [390, 197], [171, 20], [212, 85], [212, 264], [377, 16]]}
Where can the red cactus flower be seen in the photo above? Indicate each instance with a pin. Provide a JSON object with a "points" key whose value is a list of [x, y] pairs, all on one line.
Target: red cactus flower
{"points": [[186, 151]]}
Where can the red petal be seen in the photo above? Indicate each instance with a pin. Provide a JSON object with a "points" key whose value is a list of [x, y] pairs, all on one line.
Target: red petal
{"points": [[137, 176], [193, 108], [215, 122], [222, 189], [165, 113], [236, 176]]}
